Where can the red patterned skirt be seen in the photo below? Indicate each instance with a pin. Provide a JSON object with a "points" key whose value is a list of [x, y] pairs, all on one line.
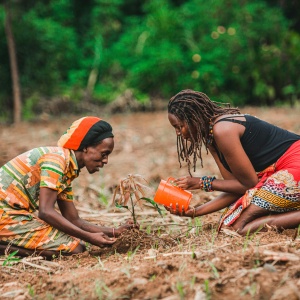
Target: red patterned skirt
{"points": [[277, 191]]}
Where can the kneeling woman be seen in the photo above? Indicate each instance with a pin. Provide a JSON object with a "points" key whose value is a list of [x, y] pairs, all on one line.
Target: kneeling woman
{"points": [[259, 163], [33, 182]]}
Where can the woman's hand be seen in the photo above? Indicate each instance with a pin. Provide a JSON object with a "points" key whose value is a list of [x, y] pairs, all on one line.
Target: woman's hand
{"points": [[100, 239], [190, 212], [128, 225], [188, 183]]}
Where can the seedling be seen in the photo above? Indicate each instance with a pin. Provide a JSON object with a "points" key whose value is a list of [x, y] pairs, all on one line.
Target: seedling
{"points": [[152, 277], [198, 225], [50, 296], [103, 291], [207, 289], [249, 237], [180, 289], [103, 199], [131, 254], [250, 289], [193, 281], [214, 271], [148, 229], [213, 237], [31, 291], [193, 250], [11, 258], [130, 192], [126, 271], [100, 263]]}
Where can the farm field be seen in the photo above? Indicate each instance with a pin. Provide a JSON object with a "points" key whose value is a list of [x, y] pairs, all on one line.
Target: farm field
{"points": [[170, 258]]}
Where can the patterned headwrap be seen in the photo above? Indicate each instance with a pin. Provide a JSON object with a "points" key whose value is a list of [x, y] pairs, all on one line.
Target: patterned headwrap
{"points": [[85, 132]]}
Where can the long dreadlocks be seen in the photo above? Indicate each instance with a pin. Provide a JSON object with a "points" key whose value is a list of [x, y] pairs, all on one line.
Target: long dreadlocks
{"points": [[197, 110]]}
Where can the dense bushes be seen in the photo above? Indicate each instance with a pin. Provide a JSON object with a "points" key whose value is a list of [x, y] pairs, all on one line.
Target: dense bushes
{"points": [[244, 52]]}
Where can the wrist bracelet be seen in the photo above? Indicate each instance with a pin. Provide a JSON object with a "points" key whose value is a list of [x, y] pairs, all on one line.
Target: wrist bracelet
{"points": [[206, 183], [201, 183]]}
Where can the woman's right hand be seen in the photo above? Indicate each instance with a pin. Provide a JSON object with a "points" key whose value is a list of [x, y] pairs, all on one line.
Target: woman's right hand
{"points": [[188, 183], [101, 239]]}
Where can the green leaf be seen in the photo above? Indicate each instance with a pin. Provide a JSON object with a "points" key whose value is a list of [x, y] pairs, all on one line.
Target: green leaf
{"points": [[153, 203], [121, 206], [11, 257]]}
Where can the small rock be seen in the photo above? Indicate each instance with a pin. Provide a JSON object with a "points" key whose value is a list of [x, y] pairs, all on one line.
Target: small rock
{"points": [[140, 281], [270, 268]]}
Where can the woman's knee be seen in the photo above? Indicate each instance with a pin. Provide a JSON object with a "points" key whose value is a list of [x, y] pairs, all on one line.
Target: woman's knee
{"points": [[79, 249]]}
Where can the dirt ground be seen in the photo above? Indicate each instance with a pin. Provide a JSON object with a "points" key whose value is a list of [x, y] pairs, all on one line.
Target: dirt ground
{"points": [[171, 257]]}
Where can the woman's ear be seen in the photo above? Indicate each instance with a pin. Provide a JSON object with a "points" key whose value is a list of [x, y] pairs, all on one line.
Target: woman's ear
{"points": [[84, 149]]}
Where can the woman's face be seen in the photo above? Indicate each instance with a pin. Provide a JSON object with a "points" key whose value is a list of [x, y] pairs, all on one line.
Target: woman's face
{"points": [[95, 157], [181, 127]]}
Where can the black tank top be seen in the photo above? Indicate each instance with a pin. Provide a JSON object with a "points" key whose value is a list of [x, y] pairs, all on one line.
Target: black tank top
{"points": [[263, 142]]}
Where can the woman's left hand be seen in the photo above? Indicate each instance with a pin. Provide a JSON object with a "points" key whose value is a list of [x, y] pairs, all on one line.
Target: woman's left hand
{"points": [[190, 212], [188, 182]]}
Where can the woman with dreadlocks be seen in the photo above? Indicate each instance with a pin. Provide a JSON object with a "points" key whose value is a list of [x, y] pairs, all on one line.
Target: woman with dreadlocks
{"points": [[259, 163]]}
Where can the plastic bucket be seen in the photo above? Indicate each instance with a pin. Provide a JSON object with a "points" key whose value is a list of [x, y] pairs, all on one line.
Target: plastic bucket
{"points": [[167, 194]]}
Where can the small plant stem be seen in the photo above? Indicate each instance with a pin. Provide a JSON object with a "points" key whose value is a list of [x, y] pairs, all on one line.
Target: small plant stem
{"points": [[133, 213]]}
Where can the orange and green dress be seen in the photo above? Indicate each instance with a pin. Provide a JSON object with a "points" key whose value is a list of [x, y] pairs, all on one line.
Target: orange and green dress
{"points": [[20, 183]]}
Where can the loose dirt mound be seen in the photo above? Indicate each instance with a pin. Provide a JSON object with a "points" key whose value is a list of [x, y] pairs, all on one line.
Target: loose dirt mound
{"points": [[135, 240], [170, 257]]}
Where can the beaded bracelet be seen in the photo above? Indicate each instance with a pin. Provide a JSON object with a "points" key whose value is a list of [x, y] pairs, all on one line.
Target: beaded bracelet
{"points": [[201, 183], [205, 183]]}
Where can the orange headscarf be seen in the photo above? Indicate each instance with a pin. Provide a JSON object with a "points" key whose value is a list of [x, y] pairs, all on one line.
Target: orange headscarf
{"points": [[85, 132]]}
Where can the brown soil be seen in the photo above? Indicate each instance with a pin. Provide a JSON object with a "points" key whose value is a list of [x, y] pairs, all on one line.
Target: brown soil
{"points": [[169, 258]]}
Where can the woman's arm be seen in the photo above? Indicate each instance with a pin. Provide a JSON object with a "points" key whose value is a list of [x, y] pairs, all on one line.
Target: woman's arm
{"points": [[227, 137], [48, 214], [70, 212], [229, 183], [220, 202], [193, 183]]}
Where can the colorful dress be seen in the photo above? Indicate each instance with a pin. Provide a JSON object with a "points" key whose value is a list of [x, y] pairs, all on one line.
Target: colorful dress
{"points": [[20, 183]]}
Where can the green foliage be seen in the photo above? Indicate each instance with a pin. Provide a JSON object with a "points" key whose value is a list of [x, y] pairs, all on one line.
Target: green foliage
{"points": [[207, 289], [131, 207], [153, 203], [11, 258], [31, 290], [239, 52], [29, 105], [231, 49]]}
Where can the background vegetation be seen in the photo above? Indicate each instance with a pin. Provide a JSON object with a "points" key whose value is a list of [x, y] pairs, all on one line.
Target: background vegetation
{"points": [[92, 51]]}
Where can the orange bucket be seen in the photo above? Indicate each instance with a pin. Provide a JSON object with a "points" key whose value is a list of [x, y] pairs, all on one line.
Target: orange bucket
{"points": [[168, 194]]}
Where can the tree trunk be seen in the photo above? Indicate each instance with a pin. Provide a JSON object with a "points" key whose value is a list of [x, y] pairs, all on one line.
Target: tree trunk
{"points": [[17, 107]]}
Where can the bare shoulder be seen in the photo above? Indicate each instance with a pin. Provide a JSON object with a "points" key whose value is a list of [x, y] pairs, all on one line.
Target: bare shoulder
{"points": [[228, 128]]}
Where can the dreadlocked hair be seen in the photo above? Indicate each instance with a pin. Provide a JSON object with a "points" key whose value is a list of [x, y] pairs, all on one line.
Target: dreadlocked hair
{"points": [[197, 110]]}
